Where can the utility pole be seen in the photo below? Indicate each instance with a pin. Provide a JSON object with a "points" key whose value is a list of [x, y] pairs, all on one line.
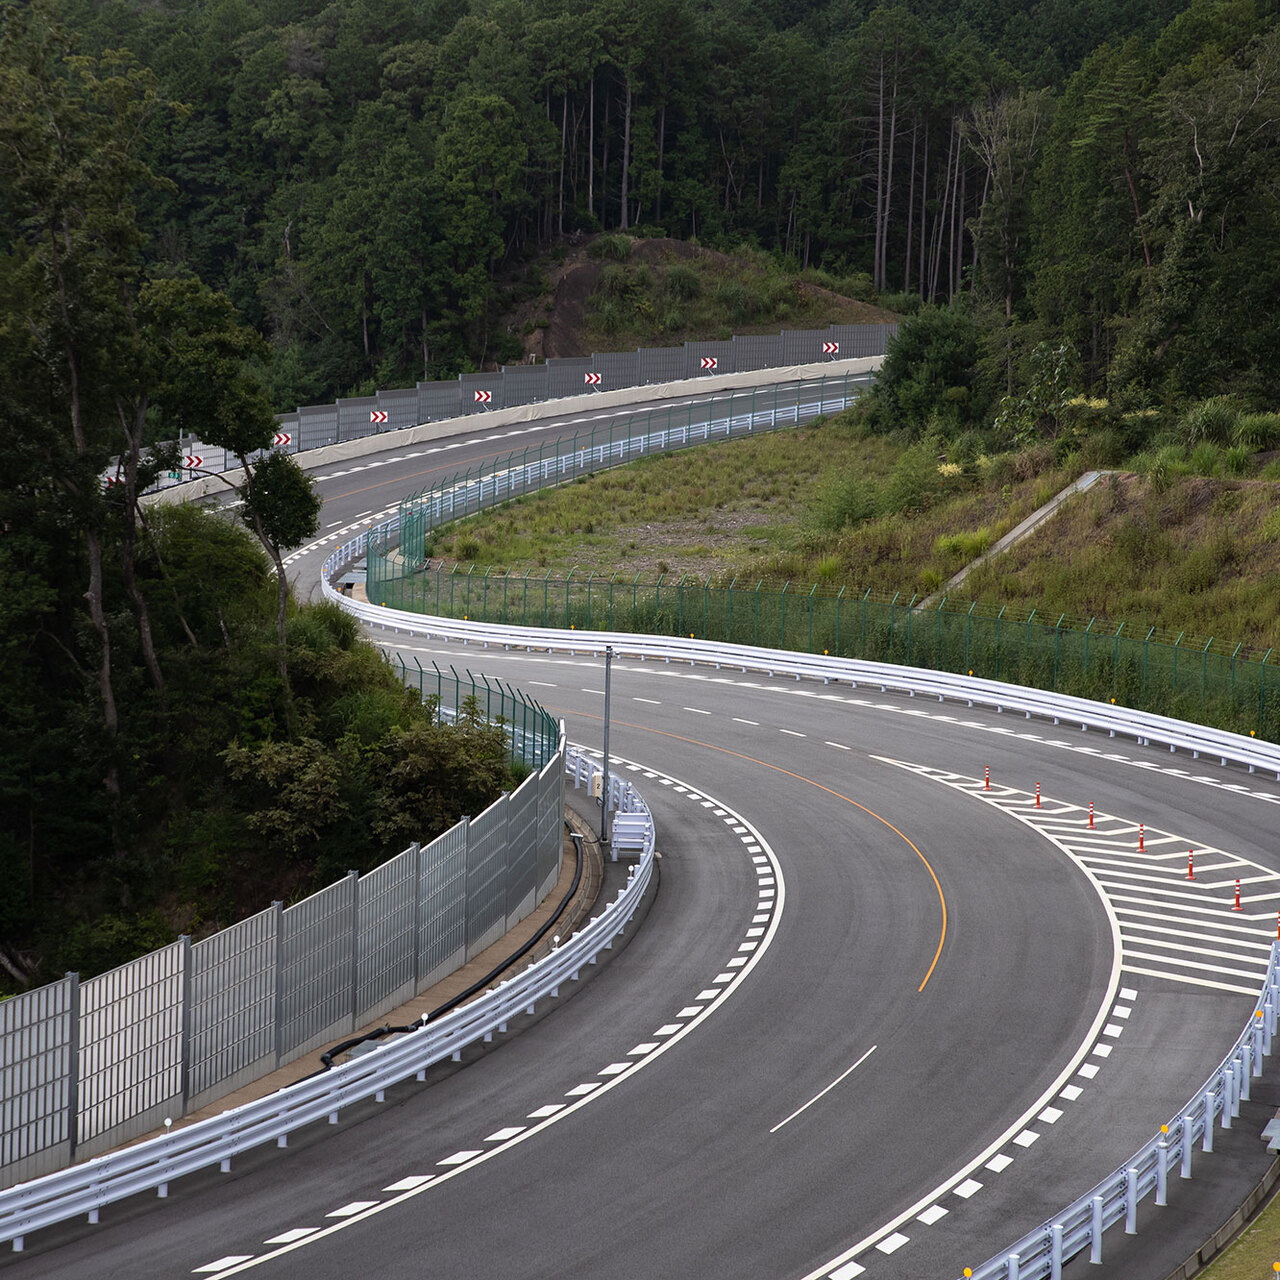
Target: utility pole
{"points": [[604, 781]]}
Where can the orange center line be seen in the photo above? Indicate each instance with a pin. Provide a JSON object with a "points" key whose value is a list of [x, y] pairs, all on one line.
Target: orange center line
{"points": [[799, 777]]}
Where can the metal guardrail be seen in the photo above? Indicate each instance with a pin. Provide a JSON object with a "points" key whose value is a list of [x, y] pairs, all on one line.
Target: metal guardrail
{"points": [[1081, 1225], [1144, 727], [152, 1165], [1043, 1252]]}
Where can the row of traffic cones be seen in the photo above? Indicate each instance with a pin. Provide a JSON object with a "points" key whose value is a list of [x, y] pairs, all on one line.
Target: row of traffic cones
{"points": [[1142, 844]]}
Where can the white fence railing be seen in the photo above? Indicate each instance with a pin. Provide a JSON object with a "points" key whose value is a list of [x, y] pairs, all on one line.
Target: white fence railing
{"points": [[152, 1165]]}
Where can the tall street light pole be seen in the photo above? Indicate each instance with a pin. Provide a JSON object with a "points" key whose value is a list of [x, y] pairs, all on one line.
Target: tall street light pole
{"points": [[604, 781]]}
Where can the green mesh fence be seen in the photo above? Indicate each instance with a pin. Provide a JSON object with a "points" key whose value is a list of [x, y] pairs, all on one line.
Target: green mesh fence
{"points": [[1207, 681], [532, 732]]}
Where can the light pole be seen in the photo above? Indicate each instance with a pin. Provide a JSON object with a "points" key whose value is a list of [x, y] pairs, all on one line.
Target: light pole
{"points": [[604, 781]]}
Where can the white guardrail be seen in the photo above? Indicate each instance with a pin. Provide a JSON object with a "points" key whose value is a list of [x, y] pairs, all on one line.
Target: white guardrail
{"points": [[1043, 1252], [152, 1165]]}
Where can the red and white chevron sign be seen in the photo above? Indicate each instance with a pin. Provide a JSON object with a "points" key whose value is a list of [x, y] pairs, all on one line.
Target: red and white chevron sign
{"points": [[484, 397], [708, 362], [591, 379], [830, 348], [377, 415], [192, 460], [280, 438]]}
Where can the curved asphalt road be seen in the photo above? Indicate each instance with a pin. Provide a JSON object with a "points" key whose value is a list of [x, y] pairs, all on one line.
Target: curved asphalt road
{"points": [[832, 1083]]}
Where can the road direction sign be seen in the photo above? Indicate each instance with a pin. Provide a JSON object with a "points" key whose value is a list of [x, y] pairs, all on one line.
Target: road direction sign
{"points": [[192, 460], [708, 362], [484, 397], [591, 379], [280, 438], [830, 348], [377, 415]]}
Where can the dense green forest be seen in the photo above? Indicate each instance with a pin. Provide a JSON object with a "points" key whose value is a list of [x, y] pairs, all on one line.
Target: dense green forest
{"points": [[179, 742], [365, 179]]}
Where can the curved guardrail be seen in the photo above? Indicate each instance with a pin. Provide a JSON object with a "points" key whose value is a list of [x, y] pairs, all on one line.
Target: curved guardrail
{"points": [[1143, 727], [1043, 1252], [153, 1164]]}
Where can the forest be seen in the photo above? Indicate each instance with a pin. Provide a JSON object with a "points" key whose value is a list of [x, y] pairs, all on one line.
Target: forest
{"points": [[217, 209], [367, 180]]}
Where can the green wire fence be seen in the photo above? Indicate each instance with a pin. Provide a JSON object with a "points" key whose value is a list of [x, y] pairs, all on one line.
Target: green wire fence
{"points": [[533, 733], [1207, 681]]}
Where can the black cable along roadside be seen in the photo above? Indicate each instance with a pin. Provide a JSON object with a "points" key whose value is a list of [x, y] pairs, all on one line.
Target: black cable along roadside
{"points": [[474, 989]]}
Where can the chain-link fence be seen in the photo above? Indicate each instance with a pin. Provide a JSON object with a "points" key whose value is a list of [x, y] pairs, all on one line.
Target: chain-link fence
{"points": [[86, 1065]]}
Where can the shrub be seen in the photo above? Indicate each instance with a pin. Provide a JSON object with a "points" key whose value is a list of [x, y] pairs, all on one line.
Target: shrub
{"points": [[683, 283], [736, 300], [1257, 431], [903, 304], [1206, 459], [617, 248], [1236, 460], [1214, 420], [844, 500]]}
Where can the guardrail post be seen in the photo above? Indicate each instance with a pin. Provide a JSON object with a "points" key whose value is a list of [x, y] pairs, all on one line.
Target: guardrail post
{"points": [[1055, 1251], [1162, 1171], [1014, 1267], [1095, 1236], [1210, 1102], [1131, 1202], [1246, 1067]]}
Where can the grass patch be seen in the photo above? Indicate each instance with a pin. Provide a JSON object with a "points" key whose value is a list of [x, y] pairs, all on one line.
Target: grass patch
{"points": [[1185, 555]]}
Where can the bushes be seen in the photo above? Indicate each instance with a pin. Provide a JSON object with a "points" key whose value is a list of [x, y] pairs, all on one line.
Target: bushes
{"points": [[928, 373]]}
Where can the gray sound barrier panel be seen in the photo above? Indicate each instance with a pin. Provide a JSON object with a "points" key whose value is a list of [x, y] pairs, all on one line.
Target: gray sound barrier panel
{"points": [[522, 850], [317, 969], [617, 369], [696, 352], [568, 377], [401, 408], [130, 1060], [524, 384], [356, 418], [37, 1046], [234, 977], [386, 967], [751, 353], [550, 822], [803, 346], [486, 871], [480, 384], [317, 425], [442, 905], [661, 364], [438, 401]]}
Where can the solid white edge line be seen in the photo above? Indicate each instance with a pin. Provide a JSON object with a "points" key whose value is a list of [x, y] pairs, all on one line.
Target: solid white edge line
{"points": [[1104, 1012], [738, 979]]}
